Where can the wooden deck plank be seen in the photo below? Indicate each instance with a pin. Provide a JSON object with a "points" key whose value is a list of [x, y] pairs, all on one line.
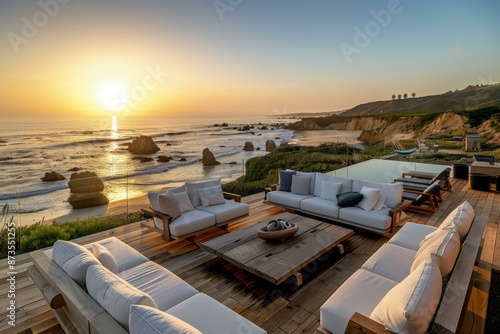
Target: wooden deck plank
{"points": [[278, 309]]}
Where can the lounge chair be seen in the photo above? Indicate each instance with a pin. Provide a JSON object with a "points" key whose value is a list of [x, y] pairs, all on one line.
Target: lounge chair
{"points": [[426, 201], [426, 179]]}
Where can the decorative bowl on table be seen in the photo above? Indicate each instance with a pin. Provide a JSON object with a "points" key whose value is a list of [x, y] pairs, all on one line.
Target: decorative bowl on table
{"points": [[263, 232]]}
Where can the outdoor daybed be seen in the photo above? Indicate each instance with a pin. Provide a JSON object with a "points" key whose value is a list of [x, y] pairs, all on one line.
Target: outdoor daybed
{"points": [[193, 208], [108, 287], [368, 205], [418, 281]]}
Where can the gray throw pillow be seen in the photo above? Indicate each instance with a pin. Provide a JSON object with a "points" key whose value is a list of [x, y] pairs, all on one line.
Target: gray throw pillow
{"points": [[349, 199], [285, 180]]}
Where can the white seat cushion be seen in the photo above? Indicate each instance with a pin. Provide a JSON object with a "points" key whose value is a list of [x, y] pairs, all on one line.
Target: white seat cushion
{"points": [[125, 256], [147, 320], [190, 222], [161, 284], [379, 220], [227, 211], [391, 261], [321, 207], [211, 317], [359, 293], [114, 294], [411, 235], [286, 199], [410, 306]]}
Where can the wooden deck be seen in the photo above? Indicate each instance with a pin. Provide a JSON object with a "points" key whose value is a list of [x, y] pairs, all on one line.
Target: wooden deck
{"points": [[278, 309]]}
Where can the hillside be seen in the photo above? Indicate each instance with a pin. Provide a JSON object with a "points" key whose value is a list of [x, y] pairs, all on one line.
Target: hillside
{"points": [[472, 97]]}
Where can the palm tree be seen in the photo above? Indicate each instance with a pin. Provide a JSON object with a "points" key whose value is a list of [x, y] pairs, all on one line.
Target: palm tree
{"points": [[399, 96], [413, 95], [393, 96], [406, 96]]}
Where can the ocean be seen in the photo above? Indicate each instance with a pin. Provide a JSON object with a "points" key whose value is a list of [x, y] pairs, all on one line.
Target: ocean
{"points": [[31, 146]]}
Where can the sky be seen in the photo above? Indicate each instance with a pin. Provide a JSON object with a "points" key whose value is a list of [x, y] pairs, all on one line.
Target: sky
{"points": [[238, 57]]}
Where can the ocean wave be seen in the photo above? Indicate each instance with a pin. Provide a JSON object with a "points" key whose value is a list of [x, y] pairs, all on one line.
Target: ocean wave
{"points": [[32, 193]]}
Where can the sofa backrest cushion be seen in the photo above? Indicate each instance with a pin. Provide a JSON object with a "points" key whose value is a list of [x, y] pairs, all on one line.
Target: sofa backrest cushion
{"points": [[73, 259], [192, 189], [153, 196], [330, 190], [444, 246], [285, 180], [370, 198], [300, 184], [146, 320], [460, 219], [410, 306], [114, 294], [184, 201], [393, 193], [349, 199], [168, 204], [211, 196], [313, 180], [357, 185], [105, 257]]}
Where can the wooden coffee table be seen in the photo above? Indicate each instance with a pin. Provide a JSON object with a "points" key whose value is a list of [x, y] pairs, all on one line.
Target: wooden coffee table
{"points": [[277, 261]]}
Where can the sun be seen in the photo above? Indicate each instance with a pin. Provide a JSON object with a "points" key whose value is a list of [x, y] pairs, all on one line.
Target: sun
{"points": [[113, 96]]}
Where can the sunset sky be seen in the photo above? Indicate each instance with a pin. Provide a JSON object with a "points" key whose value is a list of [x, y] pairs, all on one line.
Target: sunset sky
{"points": [[248, 57]]}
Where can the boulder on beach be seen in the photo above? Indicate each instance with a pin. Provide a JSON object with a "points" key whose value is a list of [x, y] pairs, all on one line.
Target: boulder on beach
{"points": [[163, 158], [80, 201], [232, 163], [208, 158], [248, 146], [85, 182], [74, 169], [143, 145], [270, 145], [182, 159], [143, 159], [52, 176]]}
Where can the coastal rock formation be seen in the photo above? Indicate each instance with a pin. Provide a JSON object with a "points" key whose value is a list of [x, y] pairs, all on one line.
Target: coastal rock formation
{"points": [[85, 182], [80, 201], [52, 176], [163, 158], [208, 158], [248, 146], [270, 145], [74, 169], [449, 123], [143, 145], [143, 159]]}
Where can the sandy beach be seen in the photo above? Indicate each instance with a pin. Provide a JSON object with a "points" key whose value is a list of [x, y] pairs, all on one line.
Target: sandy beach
{"points": [[120, 208]]}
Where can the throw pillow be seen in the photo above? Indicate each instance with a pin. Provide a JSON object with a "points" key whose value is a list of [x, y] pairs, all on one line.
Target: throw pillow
{"points": [[145, 320], [192, 189], [169, 205], [153, 200], [380, 203], [285, 180], [211, 196], [370, 198], [114, 294], [73, 259], [184, 202], [349, 199], [330, 190], [445, 246], [105, 257], [460, 219], [410, 306], [393, 193], [300, 184]]}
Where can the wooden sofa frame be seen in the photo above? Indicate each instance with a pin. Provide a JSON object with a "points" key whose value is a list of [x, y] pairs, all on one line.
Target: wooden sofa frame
{"points": [[455, 298], [166, 219]]}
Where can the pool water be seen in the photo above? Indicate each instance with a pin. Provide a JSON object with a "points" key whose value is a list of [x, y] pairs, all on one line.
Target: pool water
{"points": [[378, 170]]}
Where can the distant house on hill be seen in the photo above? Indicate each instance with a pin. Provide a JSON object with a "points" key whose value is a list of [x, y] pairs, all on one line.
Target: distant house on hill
{"points": [[472, 142]]}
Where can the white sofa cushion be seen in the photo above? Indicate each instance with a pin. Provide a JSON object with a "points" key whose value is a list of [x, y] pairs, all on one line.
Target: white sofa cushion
{"points": [[73, 259], [380, 203], [330, 190], [105, 257], [211, 317], [320, 207], [359, 293], [211, 196], [227, 211], [184, 202], [313, 180], [164, 287], [191, 222], [286, 199], [147, 320], [318, 182], [192, 189], [370, 198], [125, 256], [445, 245], [411, 235], [346, 183], [391, 261], [357, 185], [379, 220], [114, 294], [168, 204], [154, 204], [410, 306], [301, 184], [393, 193], [460, 219]]}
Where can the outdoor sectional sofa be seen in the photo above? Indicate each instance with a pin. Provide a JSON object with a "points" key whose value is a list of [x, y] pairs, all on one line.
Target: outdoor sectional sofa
{"points": [[418, 281], [109, 287], [318, 194], [193, 208]]}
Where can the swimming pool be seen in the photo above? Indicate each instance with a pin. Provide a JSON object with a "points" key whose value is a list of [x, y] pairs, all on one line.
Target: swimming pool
{"points": [[378, 170]]}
